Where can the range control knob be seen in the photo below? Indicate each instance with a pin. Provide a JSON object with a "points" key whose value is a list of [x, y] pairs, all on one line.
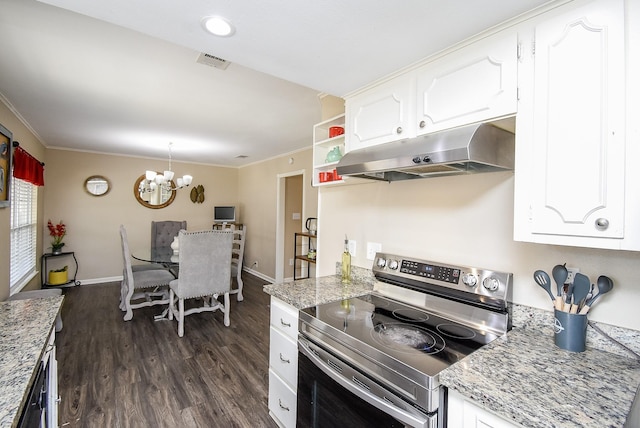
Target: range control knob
{"points": [[469, 279], [491, 283], [381, 262], [393, 264], [416, 159], [426, 159]]}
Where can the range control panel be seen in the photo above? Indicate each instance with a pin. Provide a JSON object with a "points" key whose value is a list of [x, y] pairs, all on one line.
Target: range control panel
{"points": [[440, 273], [427, 275]]}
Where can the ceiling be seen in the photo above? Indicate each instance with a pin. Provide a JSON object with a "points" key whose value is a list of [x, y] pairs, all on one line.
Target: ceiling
{"points": [[121, 77]]}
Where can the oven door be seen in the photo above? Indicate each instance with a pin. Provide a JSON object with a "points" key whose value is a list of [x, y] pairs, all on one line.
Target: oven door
{"points": [[332, 393]]}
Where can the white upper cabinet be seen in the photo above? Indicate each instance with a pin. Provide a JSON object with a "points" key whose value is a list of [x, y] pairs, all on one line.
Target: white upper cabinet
{"points": [[381, 114], [474, 84], [570, 134]]}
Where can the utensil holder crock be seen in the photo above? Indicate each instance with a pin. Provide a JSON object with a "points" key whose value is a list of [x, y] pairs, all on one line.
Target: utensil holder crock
{"points": [[570, 331]]}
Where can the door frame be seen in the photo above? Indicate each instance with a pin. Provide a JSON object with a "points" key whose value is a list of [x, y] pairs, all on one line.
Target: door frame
{"points": [[280, 211]]}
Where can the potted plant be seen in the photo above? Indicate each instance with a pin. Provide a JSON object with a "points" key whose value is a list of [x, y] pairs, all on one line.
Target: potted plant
{"points": [[59, 276], [57, 232]]}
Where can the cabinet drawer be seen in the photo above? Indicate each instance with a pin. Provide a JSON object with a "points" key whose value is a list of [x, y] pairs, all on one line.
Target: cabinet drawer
{"points": [[285, 318], [282, 401], [283, 357]]}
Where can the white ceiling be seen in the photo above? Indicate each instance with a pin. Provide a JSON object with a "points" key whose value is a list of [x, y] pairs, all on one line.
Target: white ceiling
{"points": [[119, 76]]}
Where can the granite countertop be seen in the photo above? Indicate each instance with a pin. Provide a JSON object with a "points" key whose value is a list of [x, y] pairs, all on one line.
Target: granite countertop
{"points": [[305, 293], [523, 377], [25, 327]]}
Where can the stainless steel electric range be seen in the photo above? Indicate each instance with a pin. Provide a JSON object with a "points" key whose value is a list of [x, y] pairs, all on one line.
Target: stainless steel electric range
{"points": [[375, 360]]}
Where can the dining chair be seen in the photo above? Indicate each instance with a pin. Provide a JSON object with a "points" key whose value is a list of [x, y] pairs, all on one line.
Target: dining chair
{"points": [[237, 257], [141, 288], [162, 234], [205, 272]]}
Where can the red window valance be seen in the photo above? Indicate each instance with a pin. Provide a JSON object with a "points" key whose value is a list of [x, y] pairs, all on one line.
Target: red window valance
{"points": [[26, 167]]}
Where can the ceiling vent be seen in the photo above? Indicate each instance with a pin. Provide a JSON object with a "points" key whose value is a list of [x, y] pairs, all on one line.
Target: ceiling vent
{"points": [[213, 61]]}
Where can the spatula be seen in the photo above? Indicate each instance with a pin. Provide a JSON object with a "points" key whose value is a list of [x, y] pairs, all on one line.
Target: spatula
{"points": [[581, 287], [605, 284]]}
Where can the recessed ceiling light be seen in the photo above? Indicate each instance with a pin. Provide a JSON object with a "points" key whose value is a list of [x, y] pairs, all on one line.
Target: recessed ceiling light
{"points": [[218, 26]]}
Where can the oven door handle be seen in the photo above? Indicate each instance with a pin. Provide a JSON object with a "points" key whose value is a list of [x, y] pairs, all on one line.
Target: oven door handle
{"points": [[416, 419]]}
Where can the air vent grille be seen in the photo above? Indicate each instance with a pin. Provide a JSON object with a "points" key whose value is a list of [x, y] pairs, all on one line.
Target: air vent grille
{"points": [[213, 61]]}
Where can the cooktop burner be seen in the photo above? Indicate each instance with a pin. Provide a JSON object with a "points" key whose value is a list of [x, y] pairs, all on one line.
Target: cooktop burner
{"points": [[407, 338]]}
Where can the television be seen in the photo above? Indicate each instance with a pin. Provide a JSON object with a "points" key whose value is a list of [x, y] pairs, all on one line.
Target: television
{"points": [[224, 214]]}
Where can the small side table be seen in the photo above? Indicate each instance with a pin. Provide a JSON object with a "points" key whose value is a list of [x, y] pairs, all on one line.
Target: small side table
{"points": [[44, 271]]}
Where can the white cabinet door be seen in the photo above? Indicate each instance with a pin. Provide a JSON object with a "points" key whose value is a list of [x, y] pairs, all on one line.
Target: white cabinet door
{"points": [[282, 401], [464, 414], [283, 357], [474, 84], [381, 114], [570, 161]]}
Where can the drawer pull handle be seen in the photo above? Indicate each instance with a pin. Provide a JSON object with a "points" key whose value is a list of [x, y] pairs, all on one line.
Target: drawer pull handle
{"points": [[399, 130], [286, 324], [284, 360], [281, 406]]}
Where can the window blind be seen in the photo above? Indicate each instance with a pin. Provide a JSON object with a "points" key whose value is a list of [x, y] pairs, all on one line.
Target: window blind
{"points": [[24, 223]]}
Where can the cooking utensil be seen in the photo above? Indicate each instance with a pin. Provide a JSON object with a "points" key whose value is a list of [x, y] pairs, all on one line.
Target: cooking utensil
{"points": [[543, 280], [560, 275], [605, 284], [568, 299], [581, 287]]}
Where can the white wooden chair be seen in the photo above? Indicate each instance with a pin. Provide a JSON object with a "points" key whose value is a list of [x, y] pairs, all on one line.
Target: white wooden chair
{"points": [[237, 257], [205, 272], [141, 288]]}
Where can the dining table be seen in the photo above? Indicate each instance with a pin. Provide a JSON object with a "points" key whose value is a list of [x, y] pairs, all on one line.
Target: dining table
{"points": [[164, 256]]}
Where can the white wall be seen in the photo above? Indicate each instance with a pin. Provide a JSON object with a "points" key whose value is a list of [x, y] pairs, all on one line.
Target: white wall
{"points": [[465, 220]]}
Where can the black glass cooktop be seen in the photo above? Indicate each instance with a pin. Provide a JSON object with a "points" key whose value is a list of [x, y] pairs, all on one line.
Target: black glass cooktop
{"points": [[413, 336]]}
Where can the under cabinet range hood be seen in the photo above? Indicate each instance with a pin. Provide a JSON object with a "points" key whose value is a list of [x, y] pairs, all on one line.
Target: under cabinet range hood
{"points": [[465, 150]]}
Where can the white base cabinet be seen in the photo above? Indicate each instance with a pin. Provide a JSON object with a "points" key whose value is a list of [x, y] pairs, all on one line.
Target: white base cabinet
{"points": [[462, 413], [283, 363], [572, 180]]}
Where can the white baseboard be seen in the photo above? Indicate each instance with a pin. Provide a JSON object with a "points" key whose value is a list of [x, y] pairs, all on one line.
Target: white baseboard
{"points": [[258, 274], [94, 281]]}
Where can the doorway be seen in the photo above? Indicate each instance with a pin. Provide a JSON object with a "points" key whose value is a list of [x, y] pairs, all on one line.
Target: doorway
{"points": [[290, 216]]}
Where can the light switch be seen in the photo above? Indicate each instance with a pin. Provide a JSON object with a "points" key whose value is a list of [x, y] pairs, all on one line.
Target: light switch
{"points": [[296, 216]]}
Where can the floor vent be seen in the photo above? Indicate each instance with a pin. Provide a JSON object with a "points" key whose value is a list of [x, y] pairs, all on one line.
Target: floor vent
{"points": [[213, 61]]}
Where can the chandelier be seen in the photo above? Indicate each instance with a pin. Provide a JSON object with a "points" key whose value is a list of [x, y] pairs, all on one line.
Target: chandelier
{"points": [[153, 180]]}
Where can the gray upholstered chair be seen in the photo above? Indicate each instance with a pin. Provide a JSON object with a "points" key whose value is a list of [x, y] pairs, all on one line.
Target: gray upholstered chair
{"points": [[239, 237], [163, 232], [205, 272], [142, 288]]}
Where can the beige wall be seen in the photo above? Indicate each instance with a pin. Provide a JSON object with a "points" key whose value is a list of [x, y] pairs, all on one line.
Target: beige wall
{"points": [[30, 143], [93, 222], [257, 187], [465, 220]]}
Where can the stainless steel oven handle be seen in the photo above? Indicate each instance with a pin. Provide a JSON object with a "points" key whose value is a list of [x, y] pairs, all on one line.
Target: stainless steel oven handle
{"points": [[415, 420]]}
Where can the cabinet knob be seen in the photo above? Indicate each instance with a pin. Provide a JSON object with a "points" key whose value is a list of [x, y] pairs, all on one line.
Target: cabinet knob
{"points": [[399, 130], [422, 124], [602, 224]]}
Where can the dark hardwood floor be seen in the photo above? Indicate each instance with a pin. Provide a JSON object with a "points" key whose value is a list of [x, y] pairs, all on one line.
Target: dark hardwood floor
{"points": [[139, 373]]}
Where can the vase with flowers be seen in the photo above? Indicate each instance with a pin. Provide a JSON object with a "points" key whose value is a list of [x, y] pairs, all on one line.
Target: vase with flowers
{"points": [[57, 232]]}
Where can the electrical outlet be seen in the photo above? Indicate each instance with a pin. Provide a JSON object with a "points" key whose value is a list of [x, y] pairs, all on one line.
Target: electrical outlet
{"points": [[254, 265], [352, 247], [372, 249], [572, 274], [290, 262]]}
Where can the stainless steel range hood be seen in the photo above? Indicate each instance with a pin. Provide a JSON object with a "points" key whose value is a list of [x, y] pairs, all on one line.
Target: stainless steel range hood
{"points": [[465, 150]]}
